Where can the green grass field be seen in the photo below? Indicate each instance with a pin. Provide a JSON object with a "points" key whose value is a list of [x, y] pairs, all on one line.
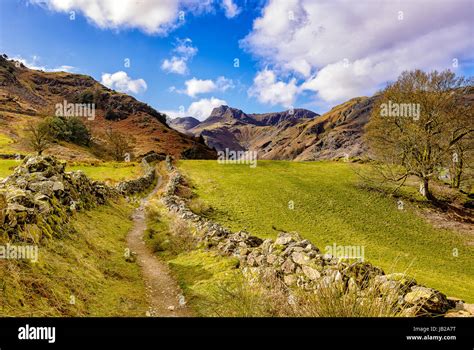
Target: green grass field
{"points": [[329, 208], [7, 166], [108, 171]]}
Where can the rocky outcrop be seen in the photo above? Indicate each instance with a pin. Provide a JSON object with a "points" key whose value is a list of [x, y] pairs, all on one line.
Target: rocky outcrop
{"points": [[40, 196], [300, 264]]}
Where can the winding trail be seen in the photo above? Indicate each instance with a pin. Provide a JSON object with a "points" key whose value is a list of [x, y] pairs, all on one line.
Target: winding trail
{"points": [[166, 298]]}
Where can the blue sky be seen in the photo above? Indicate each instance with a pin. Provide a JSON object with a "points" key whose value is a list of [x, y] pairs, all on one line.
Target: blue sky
{"points": [[309, 54]]}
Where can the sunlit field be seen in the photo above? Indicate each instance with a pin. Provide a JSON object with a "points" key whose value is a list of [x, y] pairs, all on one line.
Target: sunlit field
{"points": [[323, 202]]}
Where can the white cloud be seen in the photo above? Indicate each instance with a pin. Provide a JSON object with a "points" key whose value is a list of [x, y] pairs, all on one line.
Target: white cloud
{"points": [[184, 48], [344, 49], [175, 65], [200, 109], [184, 51], [64, 68], [173, 114], [33, 63], [230, 8], [150, 16], [198, 86], [268, 90], [120, 81], [223, 84]]}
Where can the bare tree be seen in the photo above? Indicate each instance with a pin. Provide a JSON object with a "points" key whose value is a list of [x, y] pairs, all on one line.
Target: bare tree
{"points": [[38, 136], [118, 144], [417, 125]]}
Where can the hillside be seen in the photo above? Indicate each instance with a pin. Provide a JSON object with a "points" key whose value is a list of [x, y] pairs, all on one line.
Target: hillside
{"points": [[28, 95], [290, 135], [183, 124]]}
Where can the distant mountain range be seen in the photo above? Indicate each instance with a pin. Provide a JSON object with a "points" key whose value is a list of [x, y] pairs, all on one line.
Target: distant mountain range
{"points": [[297, 134]]}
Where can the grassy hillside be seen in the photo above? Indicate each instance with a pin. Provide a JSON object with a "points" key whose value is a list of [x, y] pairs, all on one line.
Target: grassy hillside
{"points": [[329, 208], [87, 263]]}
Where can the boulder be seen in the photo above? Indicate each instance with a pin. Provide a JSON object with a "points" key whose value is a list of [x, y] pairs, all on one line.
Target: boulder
{"points": [[285, 238], [311, 273], [429, 301], [288, 267], [300, 258]]}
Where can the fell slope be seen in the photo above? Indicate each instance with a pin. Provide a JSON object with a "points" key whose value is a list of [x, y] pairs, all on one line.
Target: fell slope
{"points": [[27, 95]]}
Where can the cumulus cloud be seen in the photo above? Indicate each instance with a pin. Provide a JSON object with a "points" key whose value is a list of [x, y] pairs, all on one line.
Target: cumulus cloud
{"points": [[150, 16], [342, 50], [200, 109], [267, 89], [198, 86], [176, 65], [120, 81], [230, 8], [183, 52]]}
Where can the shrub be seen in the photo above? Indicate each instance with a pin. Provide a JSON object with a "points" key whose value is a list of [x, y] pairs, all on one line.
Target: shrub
{"points": [[85, 97], [198, 206], [110, 114], [181, 237], [172, 235]]}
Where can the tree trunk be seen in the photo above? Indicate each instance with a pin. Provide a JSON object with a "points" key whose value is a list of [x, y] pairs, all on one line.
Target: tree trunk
{"points": [[425, 189], [458, 167]]}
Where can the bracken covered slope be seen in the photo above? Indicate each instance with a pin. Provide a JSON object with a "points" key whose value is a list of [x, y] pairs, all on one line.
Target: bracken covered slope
{"points": [[27, 95]]}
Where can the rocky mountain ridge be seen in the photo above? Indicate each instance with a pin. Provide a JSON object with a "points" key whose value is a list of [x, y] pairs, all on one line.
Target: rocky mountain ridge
{"points": [[297, 134]]}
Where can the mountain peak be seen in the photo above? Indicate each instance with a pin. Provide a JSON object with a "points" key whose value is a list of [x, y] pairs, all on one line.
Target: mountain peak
{"points": [[226, 111]]}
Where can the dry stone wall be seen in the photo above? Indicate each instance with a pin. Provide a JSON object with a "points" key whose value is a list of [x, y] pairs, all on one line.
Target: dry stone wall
{"points": [[142, 183], [300, 264], [39, 197]]}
